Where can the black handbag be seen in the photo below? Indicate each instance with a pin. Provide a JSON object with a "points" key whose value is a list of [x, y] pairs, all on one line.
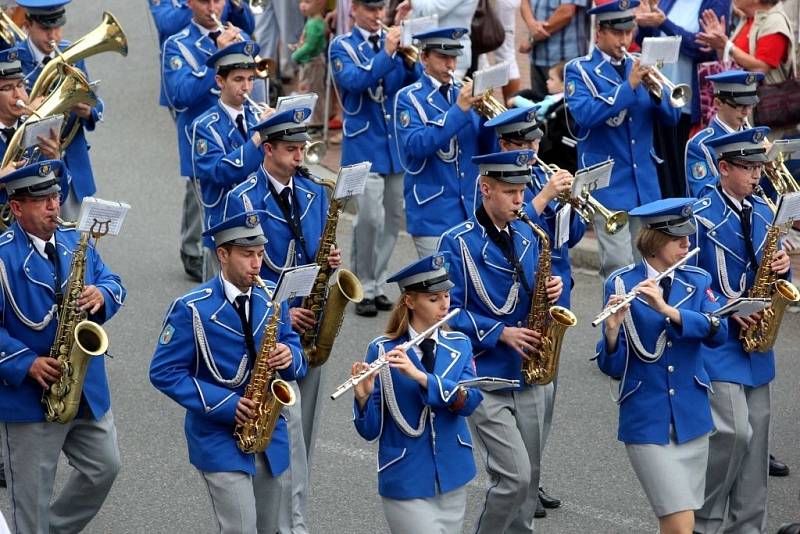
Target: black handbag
{"points": [[778, 104], [486, 32]]}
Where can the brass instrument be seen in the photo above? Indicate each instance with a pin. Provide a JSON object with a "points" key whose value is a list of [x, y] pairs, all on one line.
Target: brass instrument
{"points": [[315, 152], [77, 341], [550, 321], [410, 53], [263, 65], [268, 392], [9, 31], [488, 106], [382, 362], [256, 6], [758, 190], [586, 206], [779, 176], [328, 304], [761, 336], [679, 95], [629, 297]]}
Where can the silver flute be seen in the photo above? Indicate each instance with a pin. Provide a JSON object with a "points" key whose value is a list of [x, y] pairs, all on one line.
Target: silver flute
{"points": [[381, 361], [632, 294]]}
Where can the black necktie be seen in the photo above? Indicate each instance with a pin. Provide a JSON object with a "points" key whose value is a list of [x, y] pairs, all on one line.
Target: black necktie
{"points": [[428, 347], [746, 215], [213, 36], [8, 133], [444, 89], [240, 125], [241, 309], [286, 199], [50, 250], [375, 40], [46, 60], [666, 286]]}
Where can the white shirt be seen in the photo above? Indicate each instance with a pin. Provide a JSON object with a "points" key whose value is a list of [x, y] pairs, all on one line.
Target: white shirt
{"points": [[652, 273], [203, 30], [610, 59], [413, 333], [735, 201], [232, 112], [366, 34], [231, 292], [39, 244], [279, 186]]}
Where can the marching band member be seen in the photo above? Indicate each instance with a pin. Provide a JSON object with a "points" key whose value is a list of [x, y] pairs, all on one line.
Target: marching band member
{"points": [[437, 133], [494, 259], [731, 236], [296, 208], [190, 88], [656, 346], [614, 113], [203, 361], [519, 129], [224, 151], [367, 73], [37, 256], [45, 22], [418, 410], [734, 98]]}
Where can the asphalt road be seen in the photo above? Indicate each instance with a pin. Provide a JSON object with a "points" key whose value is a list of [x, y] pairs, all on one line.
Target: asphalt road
{"points": [[135, 160]]}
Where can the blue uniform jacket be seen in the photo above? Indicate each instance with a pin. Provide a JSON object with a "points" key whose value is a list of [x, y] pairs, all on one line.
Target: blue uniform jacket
{"points": [[701, 163], [614, 121], [208, 375], [283, 249], [724, 255], [439, 460], [486, 291], [27, 306], [673, 389], [171, 16], [76, 156], [436, 142], [366, 83], [188, 83], [547, 219], [222, 158]]}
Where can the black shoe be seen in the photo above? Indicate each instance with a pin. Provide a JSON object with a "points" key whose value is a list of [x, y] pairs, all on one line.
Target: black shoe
{"points": [[789, 528], [777, 468], [193, 265], [548, 501], [2, 478], [540, 511], [383, 303], [366, 308]]}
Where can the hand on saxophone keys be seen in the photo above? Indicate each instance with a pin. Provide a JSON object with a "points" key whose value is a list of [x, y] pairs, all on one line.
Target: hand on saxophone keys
{"points": [[523, 340], [245, 411], [302, 319], [555, 285], [781, 262], [91, 299], [45, 370], [280, 357]]}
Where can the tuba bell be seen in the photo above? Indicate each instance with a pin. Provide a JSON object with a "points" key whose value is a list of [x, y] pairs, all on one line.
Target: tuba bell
{"points": [[9, 31], [315, 152]]}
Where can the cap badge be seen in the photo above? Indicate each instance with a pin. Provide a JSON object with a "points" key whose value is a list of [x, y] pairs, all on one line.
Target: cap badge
{"points": [[12, 56], [457, 34], [624, 4], [750, 80], [758, 136], [522, 159], [687, 210], [531, 116], [299, 115], [251, 221], [438, 261], [44, 169], [248, 49]]}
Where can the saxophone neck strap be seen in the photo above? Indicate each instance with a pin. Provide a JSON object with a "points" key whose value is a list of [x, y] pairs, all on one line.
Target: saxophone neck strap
{"points": [[506, 244]]}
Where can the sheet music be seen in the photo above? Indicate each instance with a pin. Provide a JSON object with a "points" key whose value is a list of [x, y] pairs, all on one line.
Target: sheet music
{"points": [[788, 209], [742, 307], [102, 216], [563, 217], [417, 25], [308, 100], [352, 179], [41, 128], [592, 178], [489, 383], [787, 147], [660, 51], [296, 282], [489, 79]]}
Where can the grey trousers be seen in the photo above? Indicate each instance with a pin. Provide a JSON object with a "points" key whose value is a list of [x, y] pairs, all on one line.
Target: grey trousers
{"points": [[245, 504], [32, 451], [738, 461], [507, 426], [617, 250], [294, 485], [280, 25], [425, 245], [442, 514], [380, 212], [312, 406], [191, 222]]}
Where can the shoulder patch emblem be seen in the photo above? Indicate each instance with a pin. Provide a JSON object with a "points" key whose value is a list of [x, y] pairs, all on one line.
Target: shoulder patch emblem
{"points": [[570, 88], [405, 119], [338, 65], [166, 334], [175, 63], [201, 147], [699, 170]]}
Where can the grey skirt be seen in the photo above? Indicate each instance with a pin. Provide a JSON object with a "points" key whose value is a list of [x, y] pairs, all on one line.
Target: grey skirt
{"points": [[442, 514], [674, 475]]}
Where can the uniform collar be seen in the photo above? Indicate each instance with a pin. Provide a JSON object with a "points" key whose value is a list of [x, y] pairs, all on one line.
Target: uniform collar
{"points": [[734, 200], [434, 82], [203, 30], [231, 291], [652, 273], [38, 55], [610, 60], [232, 112], [39, 243], [413, 333], [365, 34], [279, 186]]}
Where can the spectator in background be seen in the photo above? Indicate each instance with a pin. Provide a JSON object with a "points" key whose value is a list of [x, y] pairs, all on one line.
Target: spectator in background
{"points": [[678, 18], [278, 26], [309, 55], [559, 31], [506, 11]]}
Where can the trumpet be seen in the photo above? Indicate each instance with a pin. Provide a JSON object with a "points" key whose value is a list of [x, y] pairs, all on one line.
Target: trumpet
{"points": [[382, 362], [632, 294], [263, 65], [679, 95], [586, 206], [9, 31], [488, 106], [260, 109], [410, 53]]}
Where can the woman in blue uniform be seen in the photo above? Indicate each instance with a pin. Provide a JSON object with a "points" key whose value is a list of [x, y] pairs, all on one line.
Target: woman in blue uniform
{"points": [[655, 346], [417, 409]]}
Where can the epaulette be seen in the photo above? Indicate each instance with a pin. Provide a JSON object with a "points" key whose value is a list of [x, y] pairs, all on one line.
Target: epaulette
{"points": [[7, 237], [181, 34], [200, 293], [694, 269], [461, 229], [380, 339], [758, 199], [701, 204], [453, 334], [621, 270]]}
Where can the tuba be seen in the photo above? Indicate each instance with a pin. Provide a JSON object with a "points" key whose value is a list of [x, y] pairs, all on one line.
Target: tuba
{"points": [[77, 341], [9, 31], [550, 321], [761, 336], [268, 392], [328, 303]]}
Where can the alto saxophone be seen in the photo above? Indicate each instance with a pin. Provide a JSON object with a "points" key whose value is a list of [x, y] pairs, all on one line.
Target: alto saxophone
{"points": [[77, 341], [550, 321], [328, 304], [268, 392], [761, 336]]}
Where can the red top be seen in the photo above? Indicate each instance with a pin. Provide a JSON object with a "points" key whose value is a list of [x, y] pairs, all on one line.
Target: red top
{"points": [[772, 49]]}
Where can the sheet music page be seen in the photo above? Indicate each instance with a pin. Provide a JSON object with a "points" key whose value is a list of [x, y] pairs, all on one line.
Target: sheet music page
{"points": [[788, 147], [592, 178], [562, 225], [660, 50], [743, 307], [41, 128], [295, 282], [102, 216], [352, 179], [489, 383], [308, 100], [417, 25], [788, 209], [489, 79]]}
